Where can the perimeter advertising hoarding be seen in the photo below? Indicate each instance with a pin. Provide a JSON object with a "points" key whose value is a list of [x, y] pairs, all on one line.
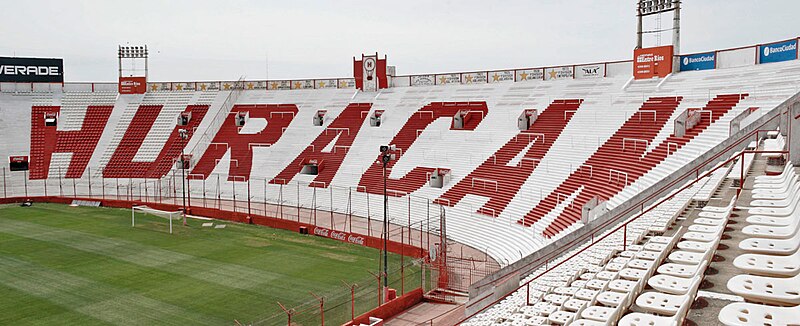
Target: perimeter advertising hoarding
{"points": [[132, 85], [777, 52], [699, 61], [31, 70], [652, 62]]}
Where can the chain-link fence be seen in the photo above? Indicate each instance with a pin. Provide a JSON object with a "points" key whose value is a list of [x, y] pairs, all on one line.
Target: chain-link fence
{"points": [[350, 300]]}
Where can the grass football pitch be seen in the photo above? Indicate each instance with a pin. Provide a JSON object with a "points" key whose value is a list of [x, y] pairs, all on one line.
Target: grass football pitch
{"points": [[62, 265]]}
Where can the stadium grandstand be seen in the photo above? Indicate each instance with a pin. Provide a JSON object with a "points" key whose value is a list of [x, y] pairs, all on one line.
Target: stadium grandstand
{"points": [[659, 189]]}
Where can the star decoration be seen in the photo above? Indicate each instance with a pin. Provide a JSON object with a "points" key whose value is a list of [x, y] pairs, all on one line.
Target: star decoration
{"points": [[523, 76], [496, 77], [226, 86], [249, 85], [203, 87], [343, 84], [322, 84], [552, 74], [297, 85], [179, 87], [274, 85], [442, 80], [468, 79], [154, 87]]}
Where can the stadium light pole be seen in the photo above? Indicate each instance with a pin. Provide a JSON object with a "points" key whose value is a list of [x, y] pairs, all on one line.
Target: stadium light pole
{"points": [[184, 135], [386, 157]]}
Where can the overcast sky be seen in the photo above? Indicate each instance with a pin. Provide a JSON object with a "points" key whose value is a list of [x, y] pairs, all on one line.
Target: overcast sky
{"points": [[218, 40]]}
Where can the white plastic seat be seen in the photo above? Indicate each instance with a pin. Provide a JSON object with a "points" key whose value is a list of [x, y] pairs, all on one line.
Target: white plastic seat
{"points": [[687, 257], [606, 275], [717, 209], [773, 220], [556, 299], [612, 298], [774, 232], [587, 322], [717, 215], [596, 284], [742, 313], [575, 305], [662, 303], [586, 294], [566, 290], [771, 246], [671, 284], [648, 255], [702, 236], [561, 317], [778, 203], [624, 286], [640, 264], [783, 186], [769, 265], [787, 172], [768, 290], [601, 314], [632, 274], [642, 319], [710, 221], [695, 246], [680, 270]]}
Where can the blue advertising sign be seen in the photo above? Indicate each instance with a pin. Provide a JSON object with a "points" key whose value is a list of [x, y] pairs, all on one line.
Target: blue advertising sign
{"points": [[777, 52], [699, 61]]}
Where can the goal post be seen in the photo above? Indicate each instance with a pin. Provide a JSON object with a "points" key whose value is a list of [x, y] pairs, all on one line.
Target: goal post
{"points": [[154, 212]]}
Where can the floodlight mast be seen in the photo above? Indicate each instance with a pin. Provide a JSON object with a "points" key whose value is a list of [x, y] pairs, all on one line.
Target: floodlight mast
{"points": [[184, 135], [132, 54], [652, 7]]}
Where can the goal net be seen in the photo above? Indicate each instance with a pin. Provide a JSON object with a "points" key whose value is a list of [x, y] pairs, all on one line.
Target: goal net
{"points": [[142, 211]]}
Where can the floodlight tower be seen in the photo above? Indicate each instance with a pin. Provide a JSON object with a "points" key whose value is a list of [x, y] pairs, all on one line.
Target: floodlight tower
{"points": [[132, 80], [652, 7]]}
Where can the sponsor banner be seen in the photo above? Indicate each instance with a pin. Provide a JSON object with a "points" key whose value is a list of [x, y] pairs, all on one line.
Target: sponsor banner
{"points": [[18, 159], [474, 77], [303, 84], [652, 62], [597, 70], [446, 79], [557, 73], [341, 236], [501, 76], [183, 86], [279, 84], [251, 85], [422, 80], [347, 83], [132, 85], [18, 163], [156, 87], [208, 86], [777, 52], [326, 83], [699, 61], [530, 74], [227, 85], [31, 70]]}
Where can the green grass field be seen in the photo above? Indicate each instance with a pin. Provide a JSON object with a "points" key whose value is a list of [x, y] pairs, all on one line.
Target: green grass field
{"points": [[62, 265]]}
